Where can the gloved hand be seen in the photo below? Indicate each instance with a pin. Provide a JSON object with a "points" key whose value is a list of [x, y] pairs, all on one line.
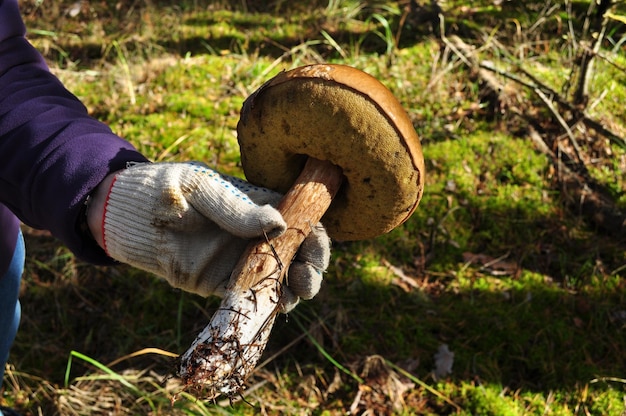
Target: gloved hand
{"points": [[189, 224]]}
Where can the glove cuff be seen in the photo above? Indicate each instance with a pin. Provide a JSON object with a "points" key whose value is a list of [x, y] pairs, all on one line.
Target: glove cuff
{"points": [[127, 233]]}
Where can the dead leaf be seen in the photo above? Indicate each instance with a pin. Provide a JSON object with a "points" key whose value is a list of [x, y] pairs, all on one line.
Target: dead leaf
{"points": [[384, 389], [401, 280], [444, 359], [495, 266]]}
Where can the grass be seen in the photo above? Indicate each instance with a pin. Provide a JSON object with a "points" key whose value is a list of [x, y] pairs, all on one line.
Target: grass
{"points": [[527, 293]]}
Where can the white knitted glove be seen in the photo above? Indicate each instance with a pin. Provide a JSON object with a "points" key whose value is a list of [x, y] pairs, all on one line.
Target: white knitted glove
{"points": [[189, 224]]}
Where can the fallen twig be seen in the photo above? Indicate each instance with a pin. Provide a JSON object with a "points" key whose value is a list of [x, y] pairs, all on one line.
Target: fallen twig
{"points": [[577, 114], [561, 121], [579, 191]]}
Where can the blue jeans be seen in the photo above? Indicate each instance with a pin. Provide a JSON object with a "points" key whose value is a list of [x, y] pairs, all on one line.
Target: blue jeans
{"points": [[10, 310]]}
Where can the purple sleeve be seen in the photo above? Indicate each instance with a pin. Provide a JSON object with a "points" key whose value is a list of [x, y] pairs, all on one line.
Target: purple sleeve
{"points": [[52, 153]]}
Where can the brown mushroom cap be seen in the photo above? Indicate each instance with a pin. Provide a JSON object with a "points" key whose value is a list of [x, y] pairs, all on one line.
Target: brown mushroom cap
{"points": [[342, 115]]}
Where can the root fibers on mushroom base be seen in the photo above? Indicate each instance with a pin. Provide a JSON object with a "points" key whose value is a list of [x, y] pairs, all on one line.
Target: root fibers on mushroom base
{"points": [[227, 350]]}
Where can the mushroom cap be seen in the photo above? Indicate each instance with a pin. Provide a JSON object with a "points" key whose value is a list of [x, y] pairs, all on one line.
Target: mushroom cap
{"points": [[342, 115]]}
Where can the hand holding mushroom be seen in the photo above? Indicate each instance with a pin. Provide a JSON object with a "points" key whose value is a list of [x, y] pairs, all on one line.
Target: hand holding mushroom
{"points": [[343, 149], [190, 224]]}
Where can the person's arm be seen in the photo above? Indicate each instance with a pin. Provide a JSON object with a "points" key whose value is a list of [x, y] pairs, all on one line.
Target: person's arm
{"points": [[52, 153], [182, 221]]}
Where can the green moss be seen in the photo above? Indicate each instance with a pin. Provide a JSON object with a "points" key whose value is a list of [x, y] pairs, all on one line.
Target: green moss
{"points": [[488, 400]]}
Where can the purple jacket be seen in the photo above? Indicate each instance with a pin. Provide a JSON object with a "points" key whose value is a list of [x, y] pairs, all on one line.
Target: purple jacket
{"points": [[52, 154]]}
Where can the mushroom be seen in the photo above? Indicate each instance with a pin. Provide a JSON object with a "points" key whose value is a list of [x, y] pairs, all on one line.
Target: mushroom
{"points": [[343, 150]]}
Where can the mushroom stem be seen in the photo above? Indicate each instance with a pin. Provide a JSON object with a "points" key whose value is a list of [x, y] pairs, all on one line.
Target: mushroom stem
{"points": [[226, 352]]}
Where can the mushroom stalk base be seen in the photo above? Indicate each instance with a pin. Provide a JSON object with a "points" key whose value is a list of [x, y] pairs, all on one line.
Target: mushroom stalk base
{"points": [[226, 352]]}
